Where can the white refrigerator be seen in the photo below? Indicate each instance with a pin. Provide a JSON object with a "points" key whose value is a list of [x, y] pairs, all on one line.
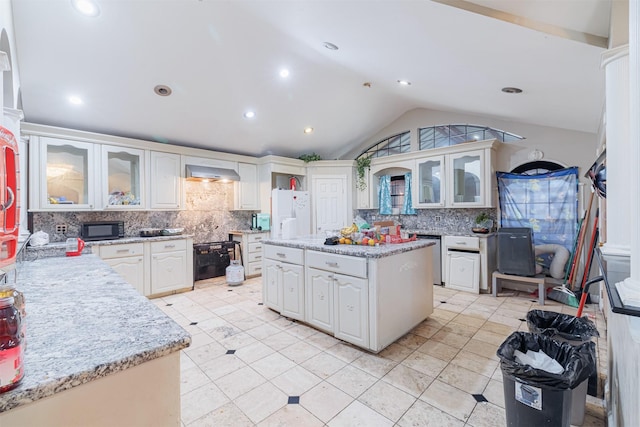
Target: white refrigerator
{"points": [[290, 213]]}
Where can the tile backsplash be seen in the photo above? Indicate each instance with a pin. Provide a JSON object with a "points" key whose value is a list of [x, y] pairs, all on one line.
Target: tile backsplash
{"points": [[208, 216], [438, 221]]}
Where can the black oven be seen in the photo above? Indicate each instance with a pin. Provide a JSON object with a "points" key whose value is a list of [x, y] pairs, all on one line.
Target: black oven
{"points": [[104, 230]]}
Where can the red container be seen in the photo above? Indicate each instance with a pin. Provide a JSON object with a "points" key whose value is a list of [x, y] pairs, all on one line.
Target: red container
{"points": [[9, 209]]}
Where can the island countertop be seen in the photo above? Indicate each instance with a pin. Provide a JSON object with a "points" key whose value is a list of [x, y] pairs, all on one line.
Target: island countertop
{"points": [[84, 322], [317, 244]]}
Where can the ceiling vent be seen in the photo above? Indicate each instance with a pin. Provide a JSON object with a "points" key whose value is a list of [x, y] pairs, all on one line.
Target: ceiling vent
{"points": [[211, 173]]}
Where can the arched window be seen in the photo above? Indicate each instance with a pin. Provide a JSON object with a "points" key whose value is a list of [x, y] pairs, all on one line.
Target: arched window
{"points": [[537, 167], [400, 143]]}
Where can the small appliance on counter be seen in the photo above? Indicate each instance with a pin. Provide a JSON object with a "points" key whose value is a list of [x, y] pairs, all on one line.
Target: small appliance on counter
{"points": [[103, 230], [261, 221], [74, 246]]}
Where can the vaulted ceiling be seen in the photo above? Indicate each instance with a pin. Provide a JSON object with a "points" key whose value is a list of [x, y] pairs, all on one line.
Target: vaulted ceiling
{"points": [[221, 59]]}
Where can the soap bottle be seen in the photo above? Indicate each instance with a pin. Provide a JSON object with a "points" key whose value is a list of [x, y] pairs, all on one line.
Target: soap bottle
{"points": [[11, 348]]}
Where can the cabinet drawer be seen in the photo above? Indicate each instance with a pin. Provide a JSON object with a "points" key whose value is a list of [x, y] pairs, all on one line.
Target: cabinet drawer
{"points": [[120, 251], [169, 246], [253, 238], [349, 265], [462, 242], [281, 253], [253, 257], [255, 247], [253, 269]]}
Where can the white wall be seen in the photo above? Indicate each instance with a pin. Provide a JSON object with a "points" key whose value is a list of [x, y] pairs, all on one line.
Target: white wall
{"points": [[570, 148]]}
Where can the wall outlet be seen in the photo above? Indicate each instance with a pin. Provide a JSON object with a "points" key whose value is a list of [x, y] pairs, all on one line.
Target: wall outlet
{"points": [[438, 218], [61, 228]]}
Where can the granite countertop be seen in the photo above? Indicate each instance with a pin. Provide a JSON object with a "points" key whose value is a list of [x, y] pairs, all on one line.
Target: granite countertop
{"points": [[380, 251], [441, 233], [248, 231], [58, 249], [84, 322]]}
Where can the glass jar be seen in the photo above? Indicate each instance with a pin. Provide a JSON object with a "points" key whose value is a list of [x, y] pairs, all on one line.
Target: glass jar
{"points": [[7, 291], [11, 348]]}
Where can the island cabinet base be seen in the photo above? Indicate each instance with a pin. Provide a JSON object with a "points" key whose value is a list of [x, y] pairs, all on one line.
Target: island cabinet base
{"points": [[367, 301], [402, 297], [145, 395]]}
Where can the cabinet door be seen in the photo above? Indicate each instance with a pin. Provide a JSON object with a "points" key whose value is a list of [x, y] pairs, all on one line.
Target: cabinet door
{"points": [[319, 299], [428, 184], [122, 178], [466, 177], [351, 305], [246, 196], [131, 269], [271, 284], [165, 180], [168, 271], [292, 291], [67, 175], [463, 271]]}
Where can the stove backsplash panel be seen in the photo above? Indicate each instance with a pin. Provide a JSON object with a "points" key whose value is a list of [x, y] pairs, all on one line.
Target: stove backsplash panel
{"points": [[208, 216]]}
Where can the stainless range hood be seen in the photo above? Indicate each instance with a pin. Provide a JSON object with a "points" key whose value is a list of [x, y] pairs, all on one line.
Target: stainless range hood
{"points": [[210, 173]]}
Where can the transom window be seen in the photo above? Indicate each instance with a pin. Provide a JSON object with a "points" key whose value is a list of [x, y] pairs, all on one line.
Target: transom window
{"points": [[437, 137], [448, 135]]}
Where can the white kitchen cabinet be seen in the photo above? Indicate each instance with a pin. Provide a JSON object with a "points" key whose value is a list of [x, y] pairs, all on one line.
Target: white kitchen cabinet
{"points": [[62, 174], [251, 247], [122, 185], [369, 302], [467, 179], [351, 305], [246, 194], [169, 266], [128, 261], [319, 299], [428, 182], [271, 284], [165, 180], [153, 267], [283, 284], [363, 195], [463, 271], [292, 277]]}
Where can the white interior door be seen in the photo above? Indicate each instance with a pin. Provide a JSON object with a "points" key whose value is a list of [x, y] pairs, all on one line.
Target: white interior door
{"points": [[330, 203]]}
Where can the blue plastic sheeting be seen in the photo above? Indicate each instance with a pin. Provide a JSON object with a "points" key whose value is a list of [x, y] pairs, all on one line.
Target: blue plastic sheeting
{"points": [[547, 203]]}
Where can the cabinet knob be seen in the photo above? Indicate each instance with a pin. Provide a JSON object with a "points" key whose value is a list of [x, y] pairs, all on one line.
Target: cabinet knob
{"points": [[332, 264], [281, 255], [169, 246]]}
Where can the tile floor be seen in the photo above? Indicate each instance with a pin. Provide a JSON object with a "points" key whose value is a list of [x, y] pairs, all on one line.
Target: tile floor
{"points": [[247, 365]]}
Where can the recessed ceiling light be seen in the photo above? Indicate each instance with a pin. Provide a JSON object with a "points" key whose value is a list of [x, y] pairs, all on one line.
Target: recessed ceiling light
{"points": [[162, 90], [75, 100], [308, 130], [249, 115], [284, 73], [330, 46], [511, 90], [86, 7], [404, 83]]}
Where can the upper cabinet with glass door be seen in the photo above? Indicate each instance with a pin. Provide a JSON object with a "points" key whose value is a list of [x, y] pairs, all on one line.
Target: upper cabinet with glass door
{"points": [[428, 187], [122, 178], [67, 182], [467, 179]]}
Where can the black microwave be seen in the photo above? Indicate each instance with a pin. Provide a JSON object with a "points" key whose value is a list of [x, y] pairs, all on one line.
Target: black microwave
{"points": [[105, 230]]}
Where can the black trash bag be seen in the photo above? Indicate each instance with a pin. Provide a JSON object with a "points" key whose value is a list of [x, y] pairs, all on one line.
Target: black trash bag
{"points": [[579, 362], [550, 324]]}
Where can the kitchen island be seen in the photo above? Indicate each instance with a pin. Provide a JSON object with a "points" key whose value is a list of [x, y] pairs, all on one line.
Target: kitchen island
{"points": [[98, 353], [368, 296]]}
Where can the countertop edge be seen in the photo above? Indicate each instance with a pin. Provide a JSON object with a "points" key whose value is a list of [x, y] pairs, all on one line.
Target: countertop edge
{"points": [[20, 397]]}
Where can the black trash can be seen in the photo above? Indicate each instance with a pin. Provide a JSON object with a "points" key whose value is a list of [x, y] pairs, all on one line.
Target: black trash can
{"points": [[575, 331], [534, 397]]}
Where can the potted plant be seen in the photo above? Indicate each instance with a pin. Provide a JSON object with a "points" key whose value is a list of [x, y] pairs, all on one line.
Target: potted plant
{"points": [[362, 164], [484, 223], [310, 157]]}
